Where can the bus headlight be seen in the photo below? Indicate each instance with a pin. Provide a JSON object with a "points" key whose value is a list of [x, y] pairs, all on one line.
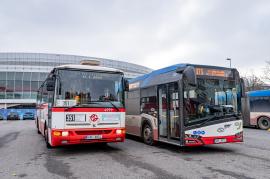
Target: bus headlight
{"points": [[192, 136], [119, 131], [65, 133], [239, 136]]}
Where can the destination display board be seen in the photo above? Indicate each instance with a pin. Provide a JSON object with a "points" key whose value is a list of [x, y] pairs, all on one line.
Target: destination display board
{"points": [[213, 72], [134, 85]]}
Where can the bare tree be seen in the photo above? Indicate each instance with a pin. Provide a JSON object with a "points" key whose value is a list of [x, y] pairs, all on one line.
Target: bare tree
{"points": [[253, 82], [267, 71]]}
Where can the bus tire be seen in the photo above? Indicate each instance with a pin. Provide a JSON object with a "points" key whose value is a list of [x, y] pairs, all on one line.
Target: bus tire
{"points": [[264, 123], [147, 134], [46, 137], [38, 127]]}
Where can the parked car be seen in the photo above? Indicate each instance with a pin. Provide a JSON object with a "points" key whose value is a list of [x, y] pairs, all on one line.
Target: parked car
{"points": [[29, 115], [1, 117], [13, 116]]}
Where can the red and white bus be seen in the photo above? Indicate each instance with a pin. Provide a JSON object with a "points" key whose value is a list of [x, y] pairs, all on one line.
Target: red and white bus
{"points": [[256, 109], [79, 104], [186, 105]]}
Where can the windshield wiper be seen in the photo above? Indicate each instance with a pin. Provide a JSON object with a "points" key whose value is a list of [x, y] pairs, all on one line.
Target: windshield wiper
{"points": [[114, 105], [207, 120], [67, 108], [94, 102], [77, 105], [219, 117]]}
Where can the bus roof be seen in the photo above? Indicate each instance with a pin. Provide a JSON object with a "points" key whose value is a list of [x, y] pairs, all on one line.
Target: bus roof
{"points": [[88, 67], [158, 72], [259, 93], [145, 79]]}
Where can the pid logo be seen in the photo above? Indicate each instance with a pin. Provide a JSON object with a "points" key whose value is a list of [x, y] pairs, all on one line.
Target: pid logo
{"points": [[93, 118], [198, 132]]}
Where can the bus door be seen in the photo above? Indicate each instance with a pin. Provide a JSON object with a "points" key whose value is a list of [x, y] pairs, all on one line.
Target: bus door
{"points": [[168, 112]]}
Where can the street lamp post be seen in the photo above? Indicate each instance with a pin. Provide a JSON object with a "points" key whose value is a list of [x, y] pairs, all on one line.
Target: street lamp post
{"points": [[230, 62]]}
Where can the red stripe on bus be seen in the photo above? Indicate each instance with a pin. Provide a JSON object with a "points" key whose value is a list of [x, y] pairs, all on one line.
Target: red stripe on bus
{"points": [[211, 140], [88, 110]]}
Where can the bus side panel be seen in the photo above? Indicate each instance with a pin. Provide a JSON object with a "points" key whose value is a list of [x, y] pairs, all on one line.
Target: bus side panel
{"points": [[246, 111], [254, 117], [133, 124], [43, 117], [38, 117], [153, 122], [50, 136], [123, 119]]}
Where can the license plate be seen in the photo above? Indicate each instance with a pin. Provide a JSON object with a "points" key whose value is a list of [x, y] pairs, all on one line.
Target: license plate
{"points": [[217, 141], [92, 137]]}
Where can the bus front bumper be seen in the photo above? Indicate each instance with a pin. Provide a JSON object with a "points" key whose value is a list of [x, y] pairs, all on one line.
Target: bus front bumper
{"points": [[84, 136], [193, 140]]}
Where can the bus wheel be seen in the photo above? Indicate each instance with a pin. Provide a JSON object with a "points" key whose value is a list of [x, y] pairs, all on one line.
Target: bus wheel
{"points": [[147, 134], [46, 136], [264, 123], [38, 127]]}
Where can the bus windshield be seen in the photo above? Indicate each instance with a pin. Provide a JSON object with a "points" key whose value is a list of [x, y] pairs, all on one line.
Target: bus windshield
{"points": [[90, 89], [210, 99]]}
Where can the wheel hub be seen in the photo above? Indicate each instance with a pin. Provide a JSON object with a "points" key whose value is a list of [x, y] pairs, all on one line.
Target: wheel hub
{"points": [[265, 122], [147, 133]]}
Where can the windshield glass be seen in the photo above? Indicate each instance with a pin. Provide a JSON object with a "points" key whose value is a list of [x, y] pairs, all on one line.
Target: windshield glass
{"points": [[210, 99], [95, 89]]}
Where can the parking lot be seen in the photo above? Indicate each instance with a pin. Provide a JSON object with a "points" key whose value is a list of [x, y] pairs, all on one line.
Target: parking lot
{"points": [[23, 154]]}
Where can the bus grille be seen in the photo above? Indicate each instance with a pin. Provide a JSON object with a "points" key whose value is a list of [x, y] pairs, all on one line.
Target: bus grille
{"points": [[95, 132]]}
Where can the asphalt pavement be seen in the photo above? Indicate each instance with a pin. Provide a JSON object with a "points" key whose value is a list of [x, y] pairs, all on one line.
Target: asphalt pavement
{"points": [[23, 154]]}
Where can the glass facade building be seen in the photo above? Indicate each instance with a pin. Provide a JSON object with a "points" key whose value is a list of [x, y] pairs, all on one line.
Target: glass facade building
{"points": [[21, 74], [20, 85]]}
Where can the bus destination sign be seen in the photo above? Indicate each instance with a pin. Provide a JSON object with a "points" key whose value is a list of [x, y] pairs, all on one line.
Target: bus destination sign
{"points": [[213, 72]]}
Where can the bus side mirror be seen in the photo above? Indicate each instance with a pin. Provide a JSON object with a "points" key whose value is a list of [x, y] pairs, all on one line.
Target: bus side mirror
{"points": [[126, 85], [189, 74], [50, 85]]}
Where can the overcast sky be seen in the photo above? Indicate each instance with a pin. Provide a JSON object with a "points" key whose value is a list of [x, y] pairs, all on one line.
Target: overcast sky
{"points": [[154, 33]]}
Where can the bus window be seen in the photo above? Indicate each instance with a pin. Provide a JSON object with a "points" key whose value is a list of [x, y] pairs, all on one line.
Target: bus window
{"points": [[193, 103], [47, 96], [133, 100], [149, 101], [44, 97], [90, 88], [260, 104], [39, 97], [211, 98]]}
